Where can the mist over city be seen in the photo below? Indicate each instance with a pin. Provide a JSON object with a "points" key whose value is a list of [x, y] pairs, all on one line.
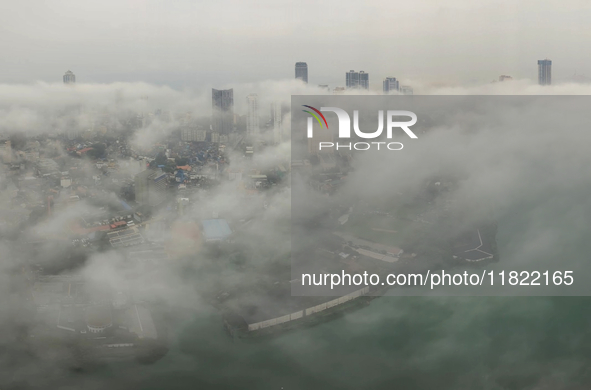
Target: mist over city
{"points": [[179, 208]]}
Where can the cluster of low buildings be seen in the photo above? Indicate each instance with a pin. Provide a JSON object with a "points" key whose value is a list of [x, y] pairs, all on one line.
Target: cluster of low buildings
{"points": [[89, 191], [101, 316]]}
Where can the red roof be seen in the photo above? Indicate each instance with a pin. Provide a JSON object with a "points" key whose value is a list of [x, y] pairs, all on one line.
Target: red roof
{"points": [[77, 229], [117, 224]]}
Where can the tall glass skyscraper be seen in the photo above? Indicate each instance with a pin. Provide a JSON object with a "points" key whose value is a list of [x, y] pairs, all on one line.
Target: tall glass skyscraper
{"points": [[363, 80], [352, 79], [545, 72], [222, 116], [301, 71]]}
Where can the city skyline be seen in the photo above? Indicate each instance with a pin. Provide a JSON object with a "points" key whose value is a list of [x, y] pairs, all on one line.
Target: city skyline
{"points": [[147, 50], [360, 79], [223, 115]]}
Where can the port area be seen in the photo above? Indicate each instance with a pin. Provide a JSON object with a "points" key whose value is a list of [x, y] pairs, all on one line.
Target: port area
{"points": [[269, 318], [276, 300], [414, 234], [238, 330]]}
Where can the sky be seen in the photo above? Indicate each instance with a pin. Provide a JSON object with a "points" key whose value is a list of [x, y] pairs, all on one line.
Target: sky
{"points": [[203, 43]]}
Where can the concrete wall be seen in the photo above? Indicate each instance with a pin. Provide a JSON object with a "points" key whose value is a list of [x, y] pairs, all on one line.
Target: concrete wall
{"points": [[308, 311]]}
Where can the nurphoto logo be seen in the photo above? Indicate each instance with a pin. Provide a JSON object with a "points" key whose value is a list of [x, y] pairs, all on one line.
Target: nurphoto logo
{"points": [[344, 130]]}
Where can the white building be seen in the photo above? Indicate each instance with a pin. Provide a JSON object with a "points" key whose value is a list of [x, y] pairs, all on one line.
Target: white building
{"points": [[66, 182], [193, 134]]}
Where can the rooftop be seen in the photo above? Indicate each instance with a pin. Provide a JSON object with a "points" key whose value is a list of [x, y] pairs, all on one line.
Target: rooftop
{"points": [[216, 229]]}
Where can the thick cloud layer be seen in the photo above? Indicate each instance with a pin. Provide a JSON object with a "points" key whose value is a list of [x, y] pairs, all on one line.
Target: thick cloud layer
{"points": [[506, 170]]}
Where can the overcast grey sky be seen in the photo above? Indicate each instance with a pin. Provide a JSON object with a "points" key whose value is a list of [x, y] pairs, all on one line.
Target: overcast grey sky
{"points": [[191, 43]]}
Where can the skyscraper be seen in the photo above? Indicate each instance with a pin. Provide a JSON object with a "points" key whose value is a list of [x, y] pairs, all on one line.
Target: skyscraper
{"points": [[357, 79], [301, 71], [545, 72], [277, 118], [363, 80], [390, 84], [222, 116], [252, 118], [69, 78], [352, 79]]}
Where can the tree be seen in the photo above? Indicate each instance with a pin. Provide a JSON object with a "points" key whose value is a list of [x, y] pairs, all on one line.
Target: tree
{"points": [[160, 159], [169, 166], [18, 141], [97, 151]]}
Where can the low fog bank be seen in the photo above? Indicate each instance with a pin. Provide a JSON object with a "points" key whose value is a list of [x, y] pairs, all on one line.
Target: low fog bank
{"points": [[509, 165]]}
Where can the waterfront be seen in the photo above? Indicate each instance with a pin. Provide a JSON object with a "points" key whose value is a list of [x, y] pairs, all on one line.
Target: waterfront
{"points": [[394, 342], [406, 342]]}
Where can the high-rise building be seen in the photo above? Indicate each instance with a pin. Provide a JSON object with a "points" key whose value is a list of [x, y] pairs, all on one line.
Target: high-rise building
{"points": [[352, 79], [545, 72], [69, 78], [505, 77], [363, 80], [390, 84], [222, 116], [301, 71], [357, 79], [277, 117], [252, 118]]}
